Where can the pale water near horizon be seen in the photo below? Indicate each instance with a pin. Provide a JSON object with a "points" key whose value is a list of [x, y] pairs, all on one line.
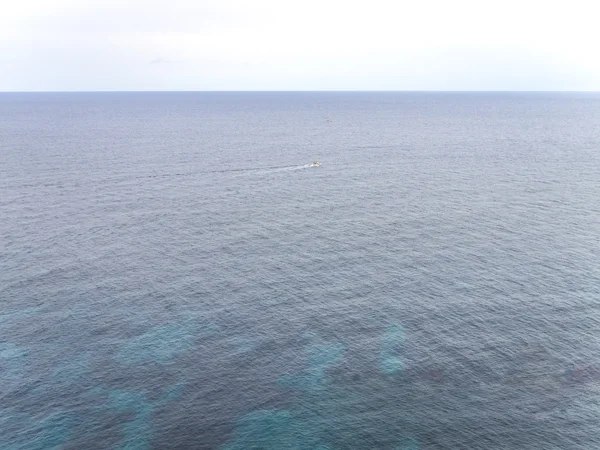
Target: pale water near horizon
{"points": [[175, 275]]}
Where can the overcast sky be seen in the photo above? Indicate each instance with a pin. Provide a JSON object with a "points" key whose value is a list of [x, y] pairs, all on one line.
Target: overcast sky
{"points": [[74, 45]]}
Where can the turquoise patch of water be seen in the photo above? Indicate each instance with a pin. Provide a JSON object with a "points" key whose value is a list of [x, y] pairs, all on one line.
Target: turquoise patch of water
{"points": [[242, 345], [390, 362], [7, 317], [138, 432], [408, 444], [162, 344], [56, 430], [13, 365], [172, 394], [323, 407], [23, 431], [73, 371], [391, 365], [273, 430], [321, 355], [8, 350]]}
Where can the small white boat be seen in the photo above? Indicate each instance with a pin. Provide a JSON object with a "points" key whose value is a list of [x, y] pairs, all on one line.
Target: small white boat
{"points": [[315, 164]]}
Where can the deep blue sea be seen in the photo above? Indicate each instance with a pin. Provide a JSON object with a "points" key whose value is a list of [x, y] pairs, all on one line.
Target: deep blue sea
{"points": [[175, 275]]}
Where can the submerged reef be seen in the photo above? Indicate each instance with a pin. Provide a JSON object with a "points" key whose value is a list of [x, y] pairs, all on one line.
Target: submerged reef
{"points": [[162, 344], [321, 355], [13, 365], [272, 429], [9, 350], [333, 404], [9, 318], [23, 431], [326, 415], [138, 432], [391, 342]]}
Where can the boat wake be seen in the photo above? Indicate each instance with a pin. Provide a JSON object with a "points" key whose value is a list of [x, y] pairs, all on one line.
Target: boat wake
{"points": [[272, 169], [286, 168]]}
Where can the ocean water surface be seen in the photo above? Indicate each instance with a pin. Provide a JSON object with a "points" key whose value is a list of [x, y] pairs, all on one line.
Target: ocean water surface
{"points": [[175, 275]]}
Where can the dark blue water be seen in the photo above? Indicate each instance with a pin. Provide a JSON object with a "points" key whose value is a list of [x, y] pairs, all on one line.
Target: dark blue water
{"points": [[173, 274]]}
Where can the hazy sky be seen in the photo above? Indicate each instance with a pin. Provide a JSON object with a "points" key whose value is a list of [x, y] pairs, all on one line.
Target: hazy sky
{"points": [[71, 45]]}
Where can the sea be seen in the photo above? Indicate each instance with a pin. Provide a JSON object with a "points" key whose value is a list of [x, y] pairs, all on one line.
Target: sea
{"points": [[175, 274]]}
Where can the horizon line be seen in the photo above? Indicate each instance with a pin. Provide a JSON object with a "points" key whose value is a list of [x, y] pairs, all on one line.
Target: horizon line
{"points": [[298, 91]]}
